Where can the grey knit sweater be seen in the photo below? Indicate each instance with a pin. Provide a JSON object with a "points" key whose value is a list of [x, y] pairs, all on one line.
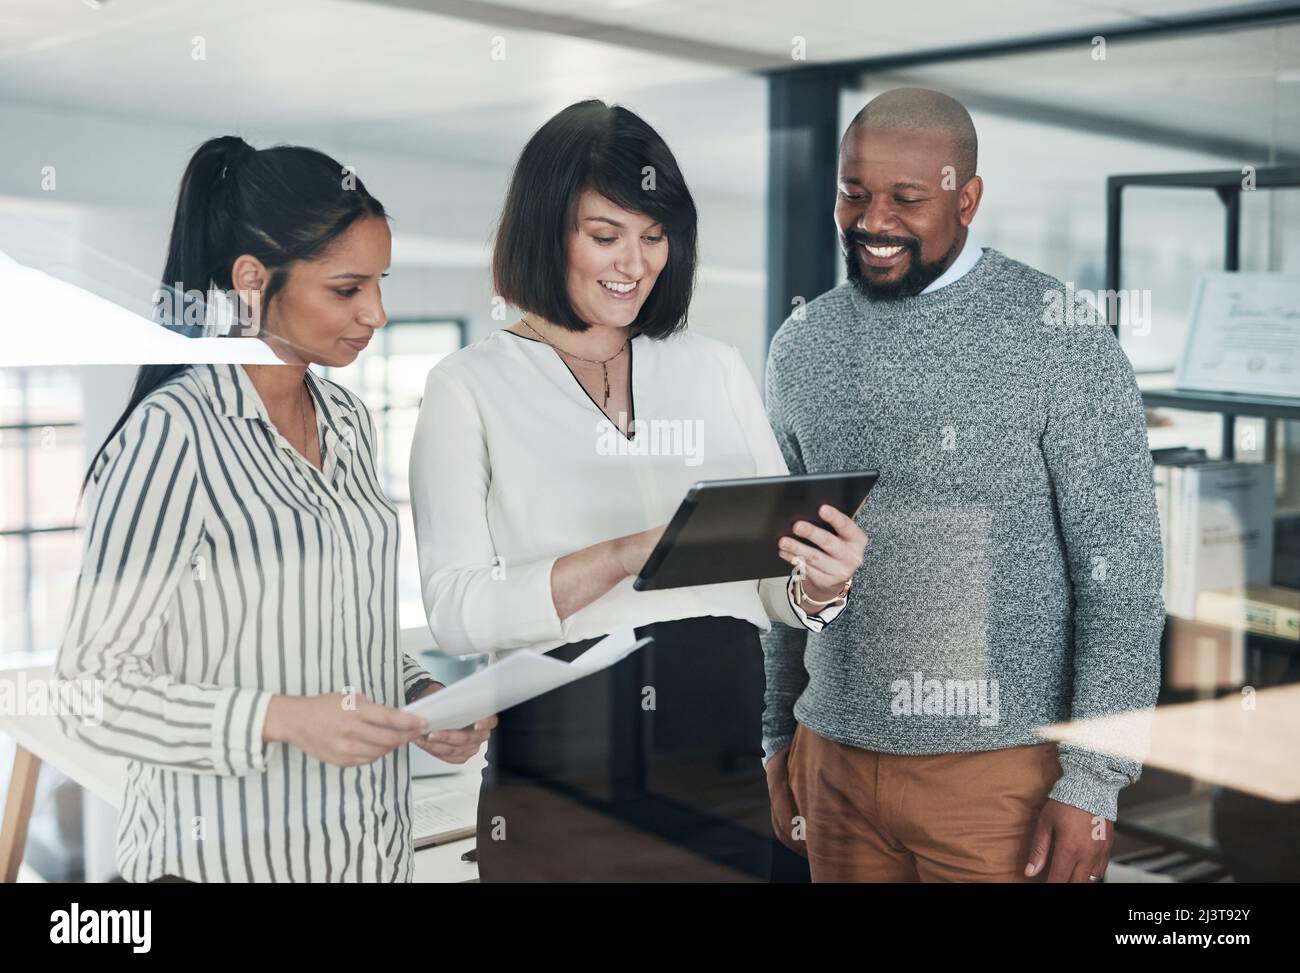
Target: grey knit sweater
{"points": [[1013, 574]]}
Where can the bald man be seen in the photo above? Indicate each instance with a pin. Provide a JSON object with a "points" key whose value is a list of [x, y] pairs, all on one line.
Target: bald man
{"points": [[1012, 580]]}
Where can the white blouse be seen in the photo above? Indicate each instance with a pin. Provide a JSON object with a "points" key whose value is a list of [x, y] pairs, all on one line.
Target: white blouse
{"points": [[514, 465]]}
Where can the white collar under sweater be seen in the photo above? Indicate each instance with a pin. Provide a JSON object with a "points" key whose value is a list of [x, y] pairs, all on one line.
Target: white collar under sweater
{"points": [[968, 258]]}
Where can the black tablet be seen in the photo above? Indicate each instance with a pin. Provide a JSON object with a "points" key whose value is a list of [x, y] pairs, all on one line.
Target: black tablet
{"points": [[727, 530]]}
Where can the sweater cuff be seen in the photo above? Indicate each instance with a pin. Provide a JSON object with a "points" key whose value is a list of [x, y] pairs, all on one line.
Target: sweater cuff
{"points": [[1083, 789], [775, 745]]}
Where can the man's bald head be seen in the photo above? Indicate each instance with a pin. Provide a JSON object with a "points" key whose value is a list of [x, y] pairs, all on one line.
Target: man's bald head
{"points": [[907, 191], [922, 110]]}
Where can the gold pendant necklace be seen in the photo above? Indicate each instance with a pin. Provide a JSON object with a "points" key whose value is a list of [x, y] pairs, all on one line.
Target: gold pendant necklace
{"points": [[604, 365]]}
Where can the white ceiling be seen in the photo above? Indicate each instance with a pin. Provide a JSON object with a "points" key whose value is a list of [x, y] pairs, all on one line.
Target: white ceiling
{"points": [[419, 76], [758, 33], [1240, 86], [363, 72]]}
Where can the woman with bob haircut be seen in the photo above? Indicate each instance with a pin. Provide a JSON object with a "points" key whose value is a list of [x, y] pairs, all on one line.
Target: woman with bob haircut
{"points": [[547, 458]]}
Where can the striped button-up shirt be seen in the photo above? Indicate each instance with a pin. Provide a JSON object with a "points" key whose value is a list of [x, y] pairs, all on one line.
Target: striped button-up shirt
{"points": [[222, 568]]}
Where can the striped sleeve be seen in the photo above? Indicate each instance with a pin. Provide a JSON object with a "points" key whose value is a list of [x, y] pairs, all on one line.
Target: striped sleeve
{"points": [[415, 678], [146, 522]]}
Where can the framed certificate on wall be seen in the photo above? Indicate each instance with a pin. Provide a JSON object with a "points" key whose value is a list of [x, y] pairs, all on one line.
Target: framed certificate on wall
{"points": [[1244, 335]]}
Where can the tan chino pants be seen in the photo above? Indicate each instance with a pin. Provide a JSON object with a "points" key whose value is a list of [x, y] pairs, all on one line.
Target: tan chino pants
{"points": [[952, 817]]}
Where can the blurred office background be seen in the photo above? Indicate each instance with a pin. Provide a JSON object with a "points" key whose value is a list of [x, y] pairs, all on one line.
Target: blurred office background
{"points": [[431, 101]]}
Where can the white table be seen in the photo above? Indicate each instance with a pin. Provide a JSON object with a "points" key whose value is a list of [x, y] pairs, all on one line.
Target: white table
{"points": [[41, 739]]}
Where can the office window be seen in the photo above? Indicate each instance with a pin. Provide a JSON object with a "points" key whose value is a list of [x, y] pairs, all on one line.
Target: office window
{"points": [[42, 462], [1206, 101], [389, 377]]}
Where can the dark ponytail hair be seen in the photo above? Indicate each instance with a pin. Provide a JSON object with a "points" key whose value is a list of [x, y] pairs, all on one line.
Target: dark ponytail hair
{"points": [[279, 205]]}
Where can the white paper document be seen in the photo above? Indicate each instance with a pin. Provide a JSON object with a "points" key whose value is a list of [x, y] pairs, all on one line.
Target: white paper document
{"points": [[1244, 335], [517, 678]]}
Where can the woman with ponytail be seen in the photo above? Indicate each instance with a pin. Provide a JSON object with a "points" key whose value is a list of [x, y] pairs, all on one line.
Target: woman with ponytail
{"points": [[237, 603]]}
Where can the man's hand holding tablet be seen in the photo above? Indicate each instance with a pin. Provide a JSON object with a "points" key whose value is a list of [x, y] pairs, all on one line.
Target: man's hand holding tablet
{"points": [[749, 529], [829, 560]]}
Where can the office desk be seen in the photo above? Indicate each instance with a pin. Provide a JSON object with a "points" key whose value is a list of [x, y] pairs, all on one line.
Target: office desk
{"points": [[40, 739]]}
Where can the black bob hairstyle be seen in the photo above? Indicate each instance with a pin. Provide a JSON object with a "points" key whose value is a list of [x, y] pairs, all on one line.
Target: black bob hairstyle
{"points": [[611, 151], [282, 204]]}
